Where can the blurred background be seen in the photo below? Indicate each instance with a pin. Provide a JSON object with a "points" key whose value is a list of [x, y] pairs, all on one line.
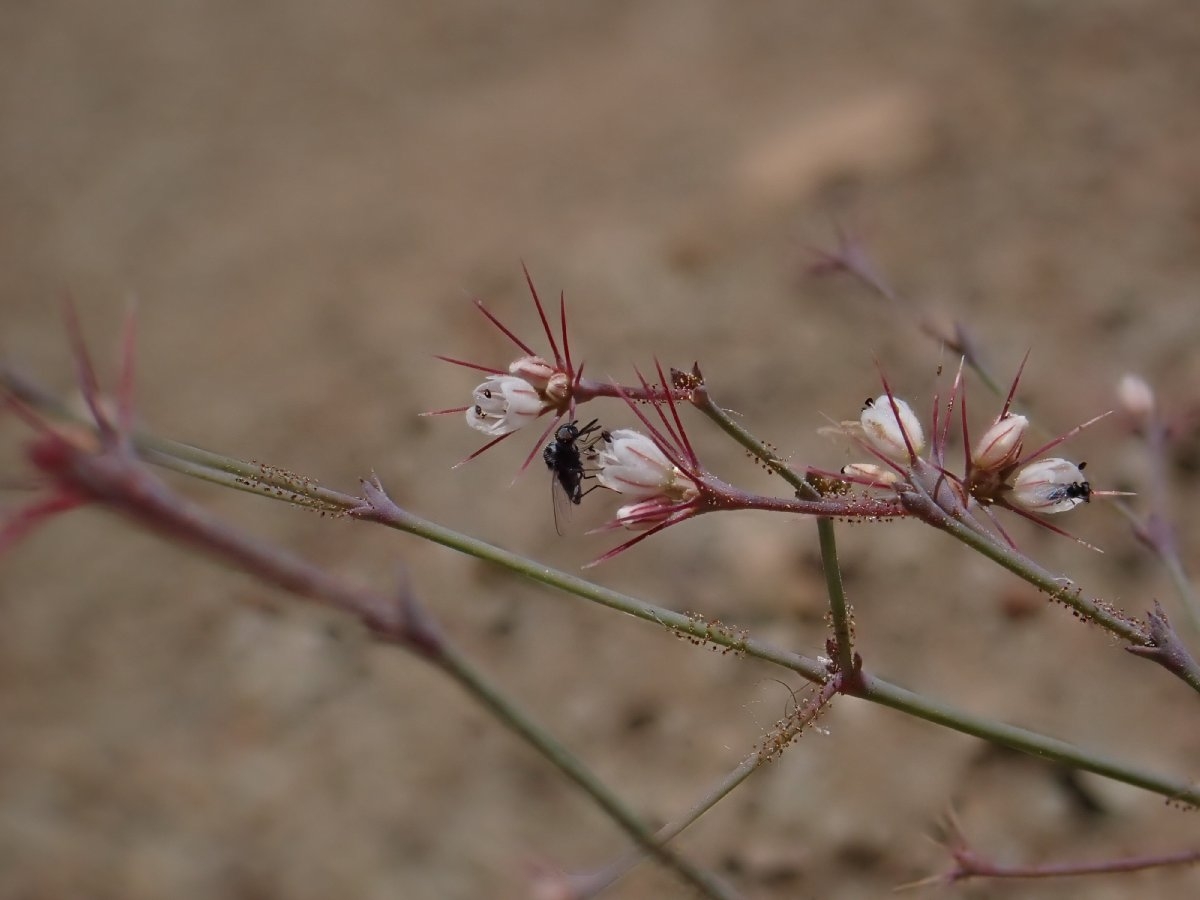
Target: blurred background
{"points": [[303, 198]]}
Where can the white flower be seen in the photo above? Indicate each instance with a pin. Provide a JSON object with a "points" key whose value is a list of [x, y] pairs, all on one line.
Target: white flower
{"points": [[885, 427], [1136, 396], [632, 464], [503, 404], [1051, 486], [1000, 445]]}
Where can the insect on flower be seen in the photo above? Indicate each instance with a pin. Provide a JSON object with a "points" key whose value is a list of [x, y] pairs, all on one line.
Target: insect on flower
{"points": [[564, 458], [1051, 486]]}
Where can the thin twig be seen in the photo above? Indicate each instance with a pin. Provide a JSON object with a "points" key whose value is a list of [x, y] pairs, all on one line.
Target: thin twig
{"points": [[786, 731]]}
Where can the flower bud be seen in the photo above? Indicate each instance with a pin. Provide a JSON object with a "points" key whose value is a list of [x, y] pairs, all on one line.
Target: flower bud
{"points": [[871, 472], [885, 427], [1000, 445], [534, 370], [646, 513], [1051, 486], [503, 404], [632, 464], [558, 389], [1136, 397]]}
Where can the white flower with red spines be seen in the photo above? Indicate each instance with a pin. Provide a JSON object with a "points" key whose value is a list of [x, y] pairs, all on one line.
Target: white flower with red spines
{"points": [[657, 468], [530, 387], [630, 463], [503, 404]]}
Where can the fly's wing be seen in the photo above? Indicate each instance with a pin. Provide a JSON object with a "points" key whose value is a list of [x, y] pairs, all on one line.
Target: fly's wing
{"points": [[561, 501]]}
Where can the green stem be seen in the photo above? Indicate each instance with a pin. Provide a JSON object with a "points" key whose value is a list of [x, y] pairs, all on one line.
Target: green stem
{"points": [[1060, 589], [875, 689], [839, 609], [655, 845], [768, 750], [703, 402], [886, 694]]}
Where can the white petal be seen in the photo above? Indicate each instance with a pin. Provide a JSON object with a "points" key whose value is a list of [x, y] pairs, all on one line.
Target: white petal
{"points": [[631, 463], [503, 404], [1050, 486], [885, 431]]}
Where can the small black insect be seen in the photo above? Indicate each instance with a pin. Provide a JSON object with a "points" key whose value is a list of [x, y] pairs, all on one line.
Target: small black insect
{"points": [[564, 458], [1076, 490]]}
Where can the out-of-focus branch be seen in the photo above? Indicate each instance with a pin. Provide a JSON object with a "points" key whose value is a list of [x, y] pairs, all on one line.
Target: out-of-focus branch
{"points": [[970, 863]]}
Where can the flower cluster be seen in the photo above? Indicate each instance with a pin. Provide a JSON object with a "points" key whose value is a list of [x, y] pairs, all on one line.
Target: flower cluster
{"points": [[997, 471], [662, 481]]}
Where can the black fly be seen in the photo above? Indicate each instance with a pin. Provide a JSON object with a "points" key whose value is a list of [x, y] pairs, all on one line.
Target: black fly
{"points": [[1076, 490], [564, 458]]}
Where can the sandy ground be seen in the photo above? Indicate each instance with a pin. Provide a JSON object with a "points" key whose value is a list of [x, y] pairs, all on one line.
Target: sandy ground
{"points": [[304, 197]]}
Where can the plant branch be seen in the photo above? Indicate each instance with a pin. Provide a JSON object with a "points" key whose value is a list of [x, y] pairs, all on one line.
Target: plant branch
{"points": [[841, 644], [241, 475], [969, 863], [113, 477], [1167, 649], [1156, 531], [786, 731], [1057, 587], [1154, 639], [874, 689], [850, 256]]}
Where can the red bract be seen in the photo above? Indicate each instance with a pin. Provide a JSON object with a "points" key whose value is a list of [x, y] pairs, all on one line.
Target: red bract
{"points": [[55, 451]]}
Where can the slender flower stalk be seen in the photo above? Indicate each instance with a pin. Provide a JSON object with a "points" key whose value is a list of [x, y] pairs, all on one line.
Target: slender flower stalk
{"points": [[850, 257]]}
